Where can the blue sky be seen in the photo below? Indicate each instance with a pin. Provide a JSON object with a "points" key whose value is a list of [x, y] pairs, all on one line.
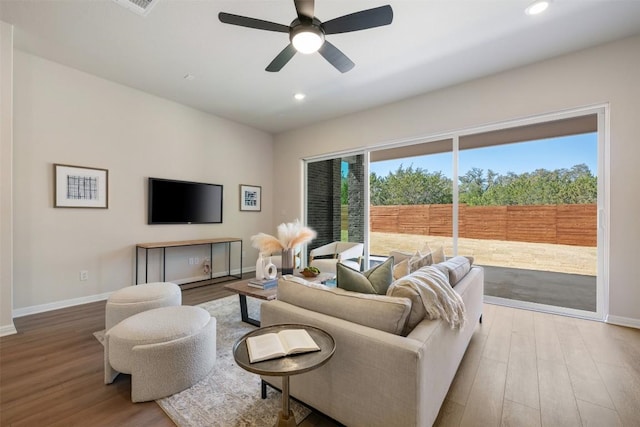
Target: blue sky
{"points": [[552, 153]]}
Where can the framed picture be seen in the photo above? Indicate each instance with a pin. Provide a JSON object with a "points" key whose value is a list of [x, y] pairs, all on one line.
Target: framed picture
{"points": [[250, 198], [81, 187]]}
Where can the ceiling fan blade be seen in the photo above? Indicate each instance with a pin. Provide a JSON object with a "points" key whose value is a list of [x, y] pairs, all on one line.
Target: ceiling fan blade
{"points": [[336, 57], [281, 60], [362, 20], [244, 21], [305, 9]]}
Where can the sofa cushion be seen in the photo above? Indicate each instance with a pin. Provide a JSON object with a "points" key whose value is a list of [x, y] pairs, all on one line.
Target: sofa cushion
{"points": [[438, 291], [417, 312], [380, 312], [456, 267], [376, 280]]}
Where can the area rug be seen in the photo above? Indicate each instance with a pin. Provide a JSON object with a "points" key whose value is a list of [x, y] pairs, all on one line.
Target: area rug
{"points": [[229, 396]]}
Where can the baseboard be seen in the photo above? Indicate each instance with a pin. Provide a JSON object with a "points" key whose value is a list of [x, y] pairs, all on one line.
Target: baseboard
{"points": [[34, 309], [93, 298], [215, 275], [8, 330], [191, 279], [623, 321]]}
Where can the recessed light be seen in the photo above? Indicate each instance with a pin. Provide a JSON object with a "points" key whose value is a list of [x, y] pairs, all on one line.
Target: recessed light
{"points": [[299, 96], [537, 7]]}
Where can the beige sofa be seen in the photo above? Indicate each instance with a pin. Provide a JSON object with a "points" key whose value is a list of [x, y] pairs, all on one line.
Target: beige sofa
{"points": [[377, 376]]}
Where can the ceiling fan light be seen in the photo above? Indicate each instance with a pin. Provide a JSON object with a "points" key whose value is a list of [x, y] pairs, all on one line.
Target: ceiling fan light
{"points": [[537, 7], [307, 41]]}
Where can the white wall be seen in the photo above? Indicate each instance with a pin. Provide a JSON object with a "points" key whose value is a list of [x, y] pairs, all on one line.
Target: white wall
{"points": [[62, 115], [605, 74]]}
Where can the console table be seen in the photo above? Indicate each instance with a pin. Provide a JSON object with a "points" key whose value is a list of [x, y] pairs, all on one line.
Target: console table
{"points": [[164, 245]]}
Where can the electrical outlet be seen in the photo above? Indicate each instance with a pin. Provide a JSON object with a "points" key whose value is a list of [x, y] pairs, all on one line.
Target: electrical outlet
{"points": [[196, 261], [84, 275]]}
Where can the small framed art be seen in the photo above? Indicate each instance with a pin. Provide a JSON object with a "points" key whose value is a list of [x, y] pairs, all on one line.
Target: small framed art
{"points": [[250, 198], [81, 187]]}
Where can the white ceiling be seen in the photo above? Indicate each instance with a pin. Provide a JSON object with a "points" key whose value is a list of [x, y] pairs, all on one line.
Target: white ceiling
{"points": [[430, 44]]}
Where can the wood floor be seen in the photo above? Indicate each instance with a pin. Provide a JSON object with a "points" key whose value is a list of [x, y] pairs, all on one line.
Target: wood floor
{"points": [[524, 368], [51, 371], [521, 369]]}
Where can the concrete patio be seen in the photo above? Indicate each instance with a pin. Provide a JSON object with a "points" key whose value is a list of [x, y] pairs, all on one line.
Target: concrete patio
{"points": [[558, 275]]}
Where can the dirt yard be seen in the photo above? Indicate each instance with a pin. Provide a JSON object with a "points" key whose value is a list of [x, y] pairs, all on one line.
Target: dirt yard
{"points": [[533, 256]]}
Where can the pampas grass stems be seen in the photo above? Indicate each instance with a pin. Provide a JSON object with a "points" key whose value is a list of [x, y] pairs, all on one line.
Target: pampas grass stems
{"points": [[290, 235]]}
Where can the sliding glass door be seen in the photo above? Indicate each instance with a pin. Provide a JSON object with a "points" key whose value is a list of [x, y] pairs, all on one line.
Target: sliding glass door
{"points": [[523, 199]]}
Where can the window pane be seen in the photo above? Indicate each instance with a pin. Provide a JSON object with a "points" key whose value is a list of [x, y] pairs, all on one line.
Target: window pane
{"points": [[411, 200], [528, 214]]}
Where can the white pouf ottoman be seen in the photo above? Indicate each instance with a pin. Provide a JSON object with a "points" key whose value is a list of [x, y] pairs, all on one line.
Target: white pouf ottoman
{"points": [[166, 350], [132, 300]]}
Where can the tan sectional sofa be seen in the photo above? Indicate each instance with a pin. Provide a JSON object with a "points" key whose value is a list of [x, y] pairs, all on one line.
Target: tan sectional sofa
{"points": [[382, 374]]}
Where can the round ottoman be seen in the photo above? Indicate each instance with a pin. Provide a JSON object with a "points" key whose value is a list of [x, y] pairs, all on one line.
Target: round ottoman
{"points": [[166, 350], [132, 300]]}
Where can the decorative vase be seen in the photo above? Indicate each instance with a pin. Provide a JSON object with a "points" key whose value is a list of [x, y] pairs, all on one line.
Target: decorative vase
{"points": [[260, 267], [270, 271], [287, 261]]}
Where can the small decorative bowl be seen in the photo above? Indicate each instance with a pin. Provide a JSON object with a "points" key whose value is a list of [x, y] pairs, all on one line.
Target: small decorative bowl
{"points": [[307, 273]]}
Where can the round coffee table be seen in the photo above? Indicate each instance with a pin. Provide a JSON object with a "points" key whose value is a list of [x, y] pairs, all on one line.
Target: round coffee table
{"points": [[286, 366]]}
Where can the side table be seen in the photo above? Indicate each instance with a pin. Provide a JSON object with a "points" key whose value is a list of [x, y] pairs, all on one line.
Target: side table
{"points": [[286, 366]]}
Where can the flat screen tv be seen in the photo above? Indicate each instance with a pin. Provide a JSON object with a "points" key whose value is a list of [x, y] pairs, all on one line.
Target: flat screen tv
{"points": [[183, 202]]}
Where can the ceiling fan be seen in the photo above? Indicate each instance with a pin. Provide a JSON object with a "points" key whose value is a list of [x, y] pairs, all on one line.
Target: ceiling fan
{"points": [[307, 33]]}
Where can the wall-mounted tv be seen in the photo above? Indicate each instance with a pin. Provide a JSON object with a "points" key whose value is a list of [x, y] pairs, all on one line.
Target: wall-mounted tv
{"points": [[184, 202]]}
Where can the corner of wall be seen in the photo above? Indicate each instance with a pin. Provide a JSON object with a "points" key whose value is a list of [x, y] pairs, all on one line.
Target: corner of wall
{"points": [[6, 179], [8, 330]]}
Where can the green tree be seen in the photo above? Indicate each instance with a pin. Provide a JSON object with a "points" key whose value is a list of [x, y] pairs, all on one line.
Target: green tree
{"points": [[540, 187], [344, 191], [377, 190], [409, 186]]}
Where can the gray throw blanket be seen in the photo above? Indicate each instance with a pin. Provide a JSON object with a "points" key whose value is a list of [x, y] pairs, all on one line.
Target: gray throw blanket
{"points": [[438, 297]]}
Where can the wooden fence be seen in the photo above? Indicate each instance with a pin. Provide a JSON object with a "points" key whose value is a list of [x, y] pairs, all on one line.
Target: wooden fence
{"points": [[562, 224]]}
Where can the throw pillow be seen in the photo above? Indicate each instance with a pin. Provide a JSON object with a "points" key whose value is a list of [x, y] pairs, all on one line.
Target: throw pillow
{"points": [[437, 254], [401, 269], [376, 280], [399, 256], [419, 260]]}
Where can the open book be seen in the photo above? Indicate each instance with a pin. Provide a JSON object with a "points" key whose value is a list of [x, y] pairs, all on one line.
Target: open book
{"points": [[283, 343]]}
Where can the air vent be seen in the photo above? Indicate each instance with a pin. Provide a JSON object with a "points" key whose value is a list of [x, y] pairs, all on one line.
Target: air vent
{"points": [[140, 7]]}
